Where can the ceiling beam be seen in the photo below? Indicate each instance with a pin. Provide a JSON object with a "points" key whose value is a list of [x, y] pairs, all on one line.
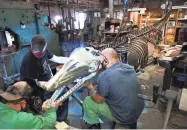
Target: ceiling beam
{"points": [[73, 3]]}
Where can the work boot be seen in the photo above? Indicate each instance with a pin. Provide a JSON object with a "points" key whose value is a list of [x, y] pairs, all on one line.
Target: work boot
{"points": [[85, 125], [95, 126]]}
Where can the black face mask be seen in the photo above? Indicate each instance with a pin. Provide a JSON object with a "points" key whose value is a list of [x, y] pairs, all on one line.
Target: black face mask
{"points": [[104, 62], [103, 66]]}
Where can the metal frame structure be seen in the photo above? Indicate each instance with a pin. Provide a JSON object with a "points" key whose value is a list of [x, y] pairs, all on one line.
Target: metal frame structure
{"points": [[78, 4]]}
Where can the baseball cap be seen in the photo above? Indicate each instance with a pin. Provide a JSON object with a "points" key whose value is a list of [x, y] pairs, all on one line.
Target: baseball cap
{"points": [[17, 91]]}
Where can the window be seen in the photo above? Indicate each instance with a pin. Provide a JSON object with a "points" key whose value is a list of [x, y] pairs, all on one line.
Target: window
{"points": [[8, 42], [80, 19]]}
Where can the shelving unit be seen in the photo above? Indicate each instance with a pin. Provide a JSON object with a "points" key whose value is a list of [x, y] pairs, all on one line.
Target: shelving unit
{"points": [[182, 19], [150, 18], [176, 22]]}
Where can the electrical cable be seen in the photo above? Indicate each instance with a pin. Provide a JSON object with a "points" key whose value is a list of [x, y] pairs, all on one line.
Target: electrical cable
{"points": [[173, 115], [173, 125]]}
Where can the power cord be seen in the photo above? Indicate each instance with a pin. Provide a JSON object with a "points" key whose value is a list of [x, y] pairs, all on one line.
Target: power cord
{"points": [[172, 116], [176, 126]]}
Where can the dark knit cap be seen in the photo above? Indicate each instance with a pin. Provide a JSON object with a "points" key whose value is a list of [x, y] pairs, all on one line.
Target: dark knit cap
{"points": [[38, 43]]}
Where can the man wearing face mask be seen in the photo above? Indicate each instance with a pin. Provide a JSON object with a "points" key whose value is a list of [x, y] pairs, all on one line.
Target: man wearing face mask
{"points": [[13, 103], [35, 66], [115, 97], [35, 62]]}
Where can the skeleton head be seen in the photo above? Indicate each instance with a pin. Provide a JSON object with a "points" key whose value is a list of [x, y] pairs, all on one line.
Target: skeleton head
{"points": [[81, 61]]}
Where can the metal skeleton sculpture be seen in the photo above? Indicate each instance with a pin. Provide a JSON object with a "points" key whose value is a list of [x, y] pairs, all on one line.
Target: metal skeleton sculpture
{"points": [[134, 42], [87, 60], [81, 61]]}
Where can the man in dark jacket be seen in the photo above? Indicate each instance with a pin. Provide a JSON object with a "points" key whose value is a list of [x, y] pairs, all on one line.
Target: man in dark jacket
{"points": [[35, 65]]}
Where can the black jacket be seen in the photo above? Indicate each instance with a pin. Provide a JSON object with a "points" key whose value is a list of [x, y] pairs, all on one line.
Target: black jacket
{"points": [[36, 68]]}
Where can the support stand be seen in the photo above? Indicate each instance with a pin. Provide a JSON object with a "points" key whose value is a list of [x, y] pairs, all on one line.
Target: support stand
{"points": [[171, 96]]}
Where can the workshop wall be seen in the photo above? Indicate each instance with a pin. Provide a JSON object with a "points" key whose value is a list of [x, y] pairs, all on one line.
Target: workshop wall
{"points": [[19, 17], [56, 15]]}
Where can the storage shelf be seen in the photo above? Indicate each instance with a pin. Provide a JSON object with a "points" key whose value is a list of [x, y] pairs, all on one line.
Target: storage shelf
{"points": [[179, 20], [182, 27], [172, 19], [152, 19], [182, 19], [172, 27]]}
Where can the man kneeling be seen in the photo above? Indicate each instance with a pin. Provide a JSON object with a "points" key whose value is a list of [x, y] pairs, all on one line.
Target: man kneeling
{"points": [[115, 96], [14, 103]]}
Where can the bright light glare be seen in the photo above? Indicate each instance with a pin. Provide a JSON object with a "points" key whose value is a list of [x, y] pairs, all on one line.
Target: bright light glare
{"points": [[120, 15], [57, 18], [80, 18]]}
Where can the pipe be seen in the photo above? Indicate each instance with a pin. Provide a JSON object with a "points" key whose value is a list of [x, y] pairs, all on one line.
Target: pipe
{"points": [[62, 11], [1, 79], [168, 112], [165, 25], [111, 8], [79, 21], [37, 24], [4, 70], [49, 14], [69, 15]]}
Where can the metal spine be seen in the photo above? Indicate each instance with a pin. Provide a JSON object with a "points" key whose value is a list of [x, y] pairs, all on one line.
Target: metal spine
{"points": [[134, 44]]}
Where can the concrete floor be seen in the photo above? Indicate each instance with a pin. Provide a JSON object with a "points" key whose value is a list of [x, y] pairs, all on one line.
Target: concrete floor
{"points": [[151, 118]]}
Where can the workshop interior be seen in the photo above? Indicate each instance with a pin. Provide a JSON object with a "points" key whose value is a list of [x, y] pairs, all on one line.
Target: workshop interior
{"points": [[149, 35]]}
